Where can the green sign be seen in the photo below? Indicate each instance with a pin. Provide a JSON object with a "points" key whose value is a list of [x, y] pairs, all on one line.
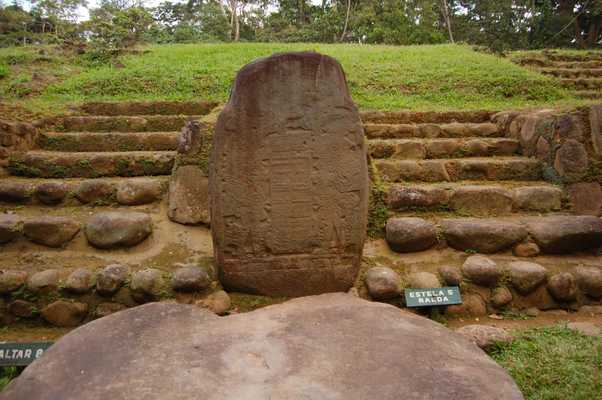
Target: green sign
{"points": [[433, 297], [18, 354]]}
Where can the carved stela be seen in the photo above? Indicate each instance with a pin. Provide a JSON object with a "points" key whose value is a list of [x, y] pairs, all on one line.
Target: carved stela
{"points": [[289, 179]]}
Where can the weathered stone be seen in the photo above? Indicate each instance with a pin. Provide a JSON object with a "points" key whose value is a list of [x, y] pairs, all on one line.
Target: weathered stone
{"points": [[51, 231], [406, 235], [80, 281], [10, 227], [566, 234], [481, 270], [571, 158], [563, 287], [501, 297], [595, 119], [539, 298], [526, 276], [93, 191], [147, 285], [586, 198], [383, 283], [44, 281], [11, 280], [218, 302], [486, 337], [189, 196], [452, 276], [472, 306], [13, 192], [589, 279], [137, 192], [482, 235], [289, 179], [532, 312], [532, 129], [278, 352], [190, 278], [538, 198], [110, 279], [22, 308], [585, 328], [51, 193], [526, 250], [104, 309], [568, 127], [118, 229], [423, 280], [65, 313], [481, 200], [543, 149], [402, 198]]}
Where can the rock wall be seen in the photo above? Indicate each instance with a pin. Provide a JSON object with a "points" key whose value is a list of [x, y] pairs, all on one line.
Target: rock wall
{"points": [[15, 137]]}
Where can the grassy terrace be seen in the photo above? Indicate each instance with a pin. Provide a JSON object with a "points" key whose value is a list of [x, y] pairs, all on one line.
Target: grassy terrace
{"points": [[440, 77]]}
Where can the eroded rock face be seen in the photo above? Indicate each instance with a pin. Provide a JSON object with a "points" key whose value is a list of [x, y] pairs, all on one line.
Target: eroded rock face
{"points": [[278, 352], [189, 196], [288, 179], [118, 229]]}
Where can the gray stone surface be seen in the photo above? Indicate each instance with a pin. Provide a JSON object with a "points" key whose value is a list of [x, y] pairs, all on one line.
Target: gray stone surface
{"points": [[11, 227], [566, 234], [589, 279], [147, 285], [190, 278], [189, 196], [92, 191], [538, 198], [51, 193], [139, 191], [383, 283], [112, 229], [309, 348], [289, 179], [563, 287], [482, 200], [111, 278], [51, 231], [484, 336], [526, 276], [482, 270], [571, 159], [80, 281], [482, 235], [406, 235]]}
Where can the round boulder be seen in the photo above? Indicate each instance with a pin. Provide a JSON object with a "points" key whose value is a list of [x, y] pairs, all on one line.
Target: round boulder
{"points": [[137, 192], [526, 276], [51, 231], [147, 285], [108, 230], [472, 306], [111, 278], [406, 235], [423, 280], [306, 348], [190, 278], [10, 227], [51, 193], [383, 283], [589, 279], [501, 297], [80, 281], [481, 270], [218, 302], [452, 276], [11, 280], [47, 280], [563, 287], [94, 191], [65, 313]]}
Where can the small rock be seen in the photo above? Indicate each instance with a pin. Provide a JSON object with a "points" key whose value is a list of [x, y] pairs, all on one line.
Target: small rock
{"points": [[481, 270], [118, 229], [218, 302], [51, 193], [383, 283], [190, 278], [452, 276], [11, 281], [51, 231], [501, 297], [111, 278], [147, 285], [526, 276], [65, 313], [591, 310], [563, 287], [22, 308], [406, 235], [10, 227], [486, 337], [589, 279], [137, 192], [44, 281], [532, 312], [423, 280], [104, 309], [94, 191], [526, 250], [585, 328], [80, 281], [472, 306]]}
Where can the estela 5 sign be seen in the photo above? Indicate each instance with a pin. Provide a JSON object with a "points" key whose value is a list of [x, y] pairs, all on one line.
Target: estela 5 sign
{"points": [[433, 297]]}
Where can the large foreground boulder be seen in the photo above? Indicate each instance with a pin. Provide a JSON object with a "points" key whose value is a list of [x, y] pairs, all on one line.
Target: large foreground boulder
{"points": [[324, 347]]}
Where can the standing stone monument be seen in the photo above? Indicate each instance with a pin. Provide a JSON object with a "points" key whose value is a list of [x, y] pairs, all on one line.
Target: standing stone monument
{"points": [[288, 179]]}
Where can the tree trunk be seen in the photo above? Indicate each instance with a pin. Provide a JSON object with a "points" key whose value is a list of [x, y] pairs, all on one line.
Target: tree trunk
{"points": [[447, 20], [236, 24], [346, 20]]}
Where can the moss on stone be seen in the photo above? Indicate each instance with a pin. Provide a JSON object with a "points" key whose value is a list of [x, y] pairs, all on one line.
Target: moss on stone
{"points": [[248, 302]]}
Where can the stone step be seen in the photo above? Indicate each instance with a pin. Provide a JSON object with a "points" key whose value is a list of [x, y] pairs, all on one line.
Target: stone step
{"points": [[576, 64], [442, 148], [582, 83], [149, 108], [573, 57], [47, 164], [76, 191], [588, 94], [141, 123], [451, 170], [108, 141], [417, 117], [557, 234], [572, 72], [476, 198], [431, 130]]}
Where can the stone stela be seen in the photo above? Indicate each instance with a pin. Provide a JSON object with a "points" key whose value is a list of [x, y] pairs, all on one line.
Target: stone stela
{"points": [[288, 179]]}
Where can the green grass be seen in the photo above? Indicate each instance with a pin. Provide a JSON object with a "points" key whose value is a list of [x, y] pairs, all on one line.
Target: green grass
{"points": [[7, 374], [554, 364], [435, 77]]}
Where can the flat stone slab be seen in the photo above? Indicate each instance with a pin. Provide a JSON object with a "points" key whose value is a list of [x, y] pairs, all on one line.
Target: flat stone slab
{"points": [[327, 347]]}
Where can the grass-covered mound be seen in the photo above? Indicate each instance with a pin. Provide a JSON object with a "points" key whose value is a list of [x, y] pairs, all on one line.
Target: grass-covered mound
{"points": [[437, 77]]}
